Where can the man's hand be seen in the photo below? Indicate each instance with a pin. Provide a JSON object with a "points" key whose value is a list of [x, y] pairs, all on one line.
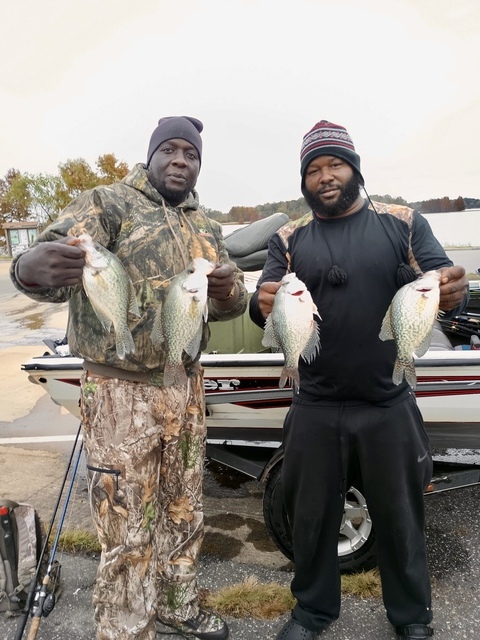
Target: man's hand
{"points": [[266, 296], [52, 264], [453, 287], [221, 283]]}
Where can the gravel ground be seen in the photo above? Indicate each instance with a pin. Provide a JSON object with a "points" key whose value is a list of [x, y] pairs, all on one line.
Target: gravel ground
{"points": [[453, 535]]}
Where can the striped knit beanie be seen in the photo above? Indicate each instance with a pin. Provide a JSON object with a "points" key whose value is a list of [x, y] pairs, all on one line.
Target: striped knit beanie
{"points": [[171, 127], [328, 139]]}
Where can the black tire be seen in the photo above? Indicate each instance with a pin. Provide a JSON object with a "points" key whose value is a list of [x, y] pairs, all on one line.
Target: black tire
{"points": [[356, 551]]}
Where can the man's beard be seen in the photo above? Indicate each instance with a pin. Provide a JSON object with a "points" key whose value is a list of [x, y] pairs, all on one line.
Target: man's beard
{"points": [[348, 194], [173, 196]]}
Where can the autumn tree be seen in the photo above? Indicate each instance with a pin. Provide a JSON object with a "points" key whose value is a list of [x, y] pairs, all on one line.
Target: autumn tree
{"points": [[215, 214], [388, 199], [42, 196], [110, 169], [77, 176], [44, 190], [15, 198], [243, 215]]}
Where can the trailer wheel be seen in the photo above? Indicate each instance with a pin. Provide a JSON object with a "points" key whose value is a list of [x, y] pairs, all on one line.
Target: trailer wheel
{"points": [[356, 542]]}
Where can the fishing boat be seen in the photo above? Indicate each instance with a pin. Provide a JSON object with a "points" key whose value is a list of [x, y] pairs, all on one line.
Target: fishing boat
{"points": [[246, 409]]}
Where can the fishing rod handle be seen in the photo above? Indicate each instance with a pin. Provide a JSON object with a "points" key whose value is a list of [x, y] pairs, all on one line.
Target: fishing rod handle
{"points": [[32, 632]]}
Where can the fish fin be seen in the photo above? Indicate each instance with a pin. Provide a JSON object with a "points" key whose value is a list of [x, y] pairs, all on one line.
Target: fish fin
{"points": [[174, 374], [157, 335], [312, 347], [422, 349], [133, 304], [193, 347], [105, 321], [290, 374], [269, 338], [315, 312], [386, 332]]}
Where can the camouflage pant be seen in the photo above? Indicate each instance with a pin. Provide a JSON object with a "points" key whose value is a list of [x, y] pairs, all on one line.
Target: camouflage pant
{"points": [[145, 449]]}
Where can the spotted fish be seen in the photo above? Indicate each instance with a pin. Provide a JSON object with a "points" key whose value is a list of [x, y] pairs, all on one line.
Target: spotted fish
{"points": [[179, 320], [291, 327], [409, 321], [110, 292]]}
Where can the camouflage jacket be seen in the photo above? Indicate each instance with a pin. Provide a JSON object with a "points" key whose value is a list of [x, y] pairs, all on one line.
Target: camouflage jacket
{"points": [[155, 242]]}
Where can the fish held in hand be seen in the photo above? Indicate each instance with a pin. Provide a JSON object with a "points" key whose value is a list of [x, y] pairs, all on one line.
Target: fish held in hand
{"points": [[110, 292], [409, 321], [291, 327], [179, 320]]}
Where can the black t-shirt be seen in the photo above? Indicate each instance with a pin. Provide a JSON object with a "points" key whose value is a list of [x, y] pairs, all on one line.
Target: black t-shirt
{"points": [[353, 363]]}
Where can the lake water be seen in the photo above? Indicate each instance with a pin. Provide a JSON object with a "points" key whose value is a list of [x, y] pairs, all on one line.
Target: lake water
{"points": [[460, 229]]}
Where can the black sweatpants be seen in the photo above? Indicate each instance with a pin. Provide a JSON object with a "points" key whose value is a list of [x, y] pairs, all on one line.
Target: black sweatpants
{"points": [[385, 452]]}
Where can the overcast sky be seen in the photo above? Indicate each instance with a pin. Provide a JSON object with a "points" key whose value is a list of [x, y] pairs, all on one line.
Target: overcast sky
{"points": [[81, 78]]}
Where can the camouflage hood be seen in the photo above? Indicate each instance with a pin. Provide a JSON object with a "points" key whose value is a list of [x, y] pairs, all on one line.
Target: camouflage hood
{"points": [[138, 179]]}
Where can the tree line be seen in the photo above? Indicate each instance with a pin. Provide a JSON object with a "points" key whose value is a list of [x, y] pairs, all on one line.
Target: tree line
{"points": [[40, 197]]}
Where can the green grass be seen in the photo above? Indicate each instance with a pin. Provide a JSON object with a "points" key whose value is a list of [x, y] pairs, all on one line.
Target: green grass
{"points": [[253, 599], [77, 541], [248, 599]]}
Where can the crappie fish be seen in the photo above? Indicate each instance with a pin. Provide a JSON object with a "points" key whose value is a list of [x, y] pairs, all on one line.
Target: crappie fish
{"points": [[179, 320], [409, 321], [110, 291], [292, 328]]}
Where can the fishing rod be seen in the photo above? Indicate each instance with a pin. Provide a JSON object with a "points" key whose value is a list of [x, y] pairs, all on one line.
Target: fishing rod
{"points": [[39, 602]]}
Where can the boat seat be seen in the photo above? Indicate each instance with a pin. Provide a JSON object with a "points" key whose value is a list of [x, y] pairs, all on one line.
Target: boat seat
{"points": [[247, 247], [439, 341]]}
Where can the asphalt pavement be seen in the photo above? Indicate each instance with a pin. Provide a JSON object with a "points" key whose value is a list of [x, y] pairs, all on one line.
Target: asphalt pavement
{"points": [[237, 546]]}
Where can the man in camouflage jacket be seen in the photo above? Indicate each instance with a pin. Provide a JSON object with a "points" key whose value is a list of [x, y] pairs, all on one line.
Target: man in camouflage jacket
{"points": [[144, 441]]}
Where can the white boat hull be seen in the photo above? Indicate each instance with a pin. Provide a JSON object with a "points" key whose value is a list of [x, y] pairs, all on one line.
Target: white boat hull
{"points": [[245, 405]]}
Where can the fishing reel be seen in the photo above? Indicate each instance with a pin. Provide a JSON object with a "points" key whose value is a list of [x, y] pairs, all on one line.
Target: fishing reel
{"points": [[43, 603], [45, 595]]}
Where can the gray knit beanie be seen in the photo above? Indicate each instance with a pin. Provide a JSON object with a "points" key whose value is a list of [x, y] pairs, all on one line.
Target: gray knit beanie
{"points": [[171, 127]]}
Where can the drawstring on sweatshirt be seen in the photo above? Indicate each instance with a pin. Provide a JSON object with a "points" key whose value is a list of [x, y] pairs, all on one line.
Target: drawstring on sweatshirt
{"points": [[180, 246], [405, 273]]}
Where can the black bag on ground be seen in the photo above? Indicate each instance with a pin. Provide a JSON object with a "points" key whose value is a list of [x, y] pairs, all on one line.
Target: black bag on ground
{"points": [[21, 542]]}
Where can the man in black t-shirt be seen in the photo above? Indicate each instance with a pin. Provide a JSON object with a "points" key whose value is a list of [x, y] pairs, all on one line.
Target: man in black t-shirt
{"points": [[350, 424]]}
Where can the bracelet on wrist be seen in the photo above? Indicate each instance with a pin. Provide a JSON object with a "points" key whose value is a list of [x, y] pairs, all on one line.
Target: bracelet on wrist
{"points": [[27, 284], [231, 293]]}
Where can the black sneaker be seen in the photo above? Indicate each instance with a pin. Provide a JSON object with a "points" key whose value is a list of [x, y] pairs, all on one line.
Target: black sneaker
{"points": [[205, 626], [293, 630], [414, 632]]}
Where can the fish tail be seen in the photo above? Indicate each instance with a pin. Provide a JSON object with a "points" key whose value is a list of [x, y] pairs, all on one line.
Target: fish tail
{"points": [[406, 369], [398, 371], [174, 374], [289, 374], [124, 343], [411, 375]]}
